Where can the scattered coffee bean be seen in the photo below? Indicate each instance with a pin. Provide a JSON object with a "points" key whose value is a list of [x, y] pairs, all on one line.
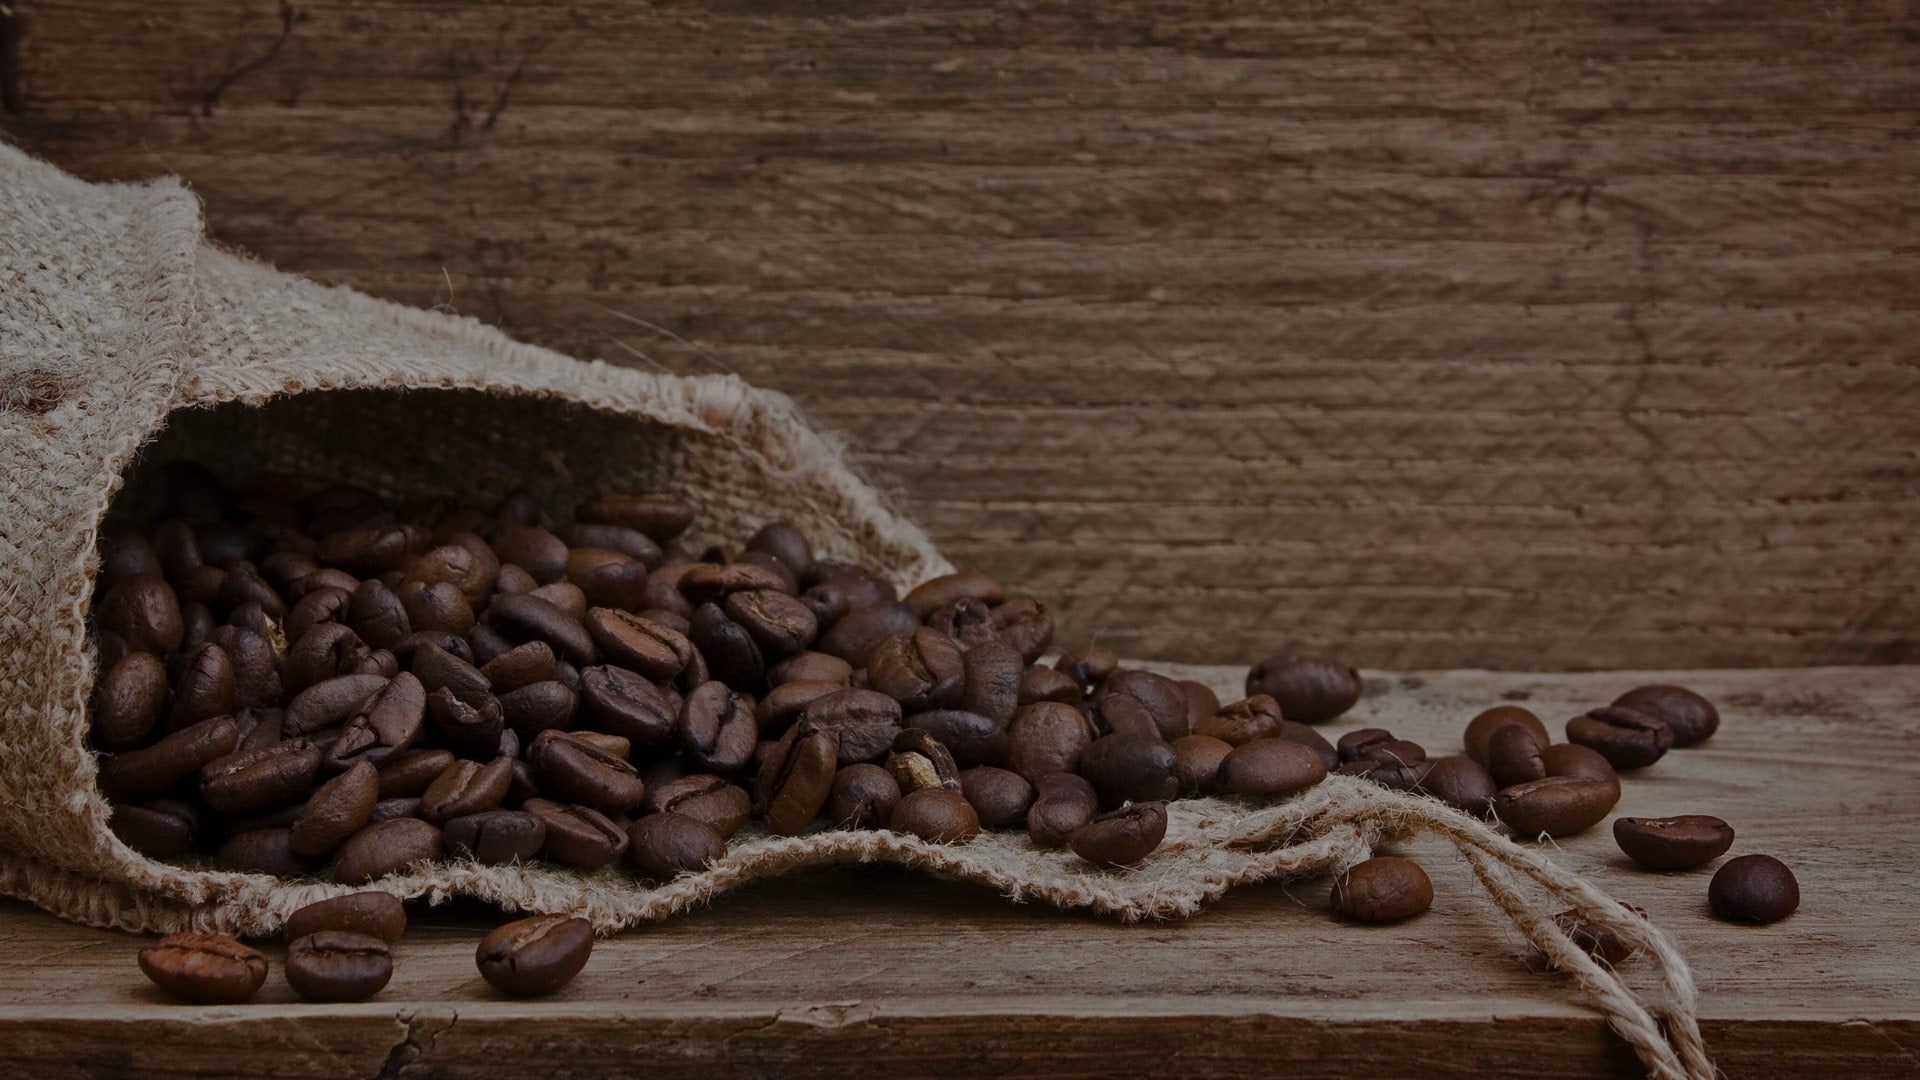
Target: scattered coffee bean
{"points": [[1753, 889], [337, 965], [1690, 717], [1555, 806], [1626, 738], [1461, 783], [536, 956], [1270, 767], [1310, 689], [1674, 843], [1382, 890], [999, 796], [492, 837], [204, 969], [1596, 939]]}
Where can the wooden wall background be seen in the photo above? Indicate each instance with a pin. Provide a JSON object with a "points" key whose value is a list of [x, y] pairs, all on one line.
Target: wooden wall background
{"points": [[1447, 333]]}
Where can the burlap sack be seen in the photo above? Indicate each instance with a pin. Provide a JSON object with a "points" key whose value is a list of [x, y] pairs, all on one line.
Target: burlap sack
{"points": [[126, 340]]}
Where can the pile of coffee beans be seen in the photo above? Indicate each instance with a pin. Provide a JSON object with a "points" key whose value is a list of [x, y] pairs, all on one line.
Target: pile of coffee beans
{"points": [[341, 950]]}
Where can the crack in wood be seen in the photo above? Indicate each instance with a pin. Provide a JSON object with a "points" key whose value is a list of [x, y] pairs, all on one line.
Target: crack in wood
{"points": [[11, 100], [212, 97]]}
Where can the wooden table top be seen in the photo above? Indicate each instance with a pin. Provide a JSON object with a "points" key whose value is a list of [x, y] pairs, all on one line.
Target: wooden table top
{"points": [[874, 970]]}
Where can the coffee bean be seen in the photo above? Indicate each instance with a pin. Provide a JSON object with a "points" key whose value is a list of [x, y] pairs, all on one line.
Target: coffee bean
{"points": [[1310, 689], [533, 549], [864, 723], [998, 796], [784, 541], [973, 739], [155, 770], [160, 829], [1025, 624], [1383, 889], [1462, 783], [129, 701], [256, 667], [575, 769], [339, 808], [968, 622], [335, 965], [1514, 756], [468, 787], [377, 615], [1673, 843], [1047, 737], [854, 635], [410, 774], [1626, 738], [653, 650], [492, 837], [1197, 761], [935, 815], [1270, 767], [142, 613], [1753, 889], [716, 728], [579, 836], [374, 914], [1690, 717], [1129, 767], [383, 726], [1570, 759], [810, 667], [327, 651], [535, 956], [1202, 702], [386, 848], [721, 804], [1142, 702], [918, 761], [204, 969], [729, 652], [1555, 806], [1089, 665], [263, 851], [521, 665], [1256, 717], [1480, 729], [527, 617], [795, 780], [778, 623], [1596, 939], [932, 595], [464, 561], [626, 704], [1353, 746], [921, 670], [204, 689], [1122, 836], [990, 686], [863, 797], [786, 702], [1062, 803], [666, 845], [330, 702], [544, 706]]}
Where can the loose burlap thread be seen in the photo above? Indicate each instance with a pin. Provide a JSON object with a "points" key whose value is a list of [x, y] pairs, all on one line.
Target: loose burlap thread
{"points": [[127, 340]]}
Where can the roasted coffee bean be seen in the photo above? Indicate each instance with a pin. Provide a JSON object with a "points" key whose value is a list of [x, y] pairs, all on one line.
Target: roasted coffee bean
{"points": [[335, 965], [471, 730], [464, 561], [717, 729], [795, 780], [1673, 843], [1596, 939], [1130, 767], [544, 706], [1310, 689], [1039, 684], [786, 702], [365, 552], [1382, 890], [665, 845], [854, 635], [1197, 761], [578, 836], [576, 770], [327, 651], [623, 703], [1479, 733], [1753, 889], [921, 670], [778, 623], [204, 969], [386, 848], [729, 651], [160, 829], [256, 667], [1202, 702], [935, 815], [521, 665], [1462, 783], [1513, 756], [1690, 717], [385, 724], [533, 549], [1062, 803], [129, 701], [784, 541], [1025, 624], [607, 578], [566, 597], [1256, 717], [330, 702], [126, 553], [1047, 737], [703, 797], [262, 851], [998, 796], [375, 914], [1626, 738], [863, 797], [468, 787], [339, 808], [1353, 746], [204, 689], [143, 614], [535, 956], [409, 775], [968, 622], [1570, 759], [377, 615], [529, 618], [1295, 732], [918, 760], [715, 577], [653, 650], [1141, 701], [662, 590], [438, 606], [492, 837], [1088, 664], [1122, 836], [261, 728], [1555, 806], [810, 667], [1270, 767], [832, 598], [971, 738], [990, 683], [930, 596], [151, 771]]}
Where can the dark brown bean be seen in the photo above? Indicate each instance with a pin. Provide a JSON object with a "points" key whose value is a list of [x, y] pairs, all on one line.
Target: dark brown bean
{"points": [[522, 665], [730, 654], [1270, 767], [1462, 783], [492, 837], [968, 622], [536, 956], [656, 651], [936, 815], [1202, 702], [918, 760], [1130, 767], [1256, 717], [339, 808], [855, 634], [1383, 889], [1555, 806], [666, 845], [623, 703], [1673, 843], [704, 797], [410, 774], [990, 686], [375, 914], [795, 780], [377, 615], [1753, 889], [973, 739], [1481, 728], [143, 613], [863, 797], [1088, 664], [924, 669], [262, 851], [160, 829], [1062, 803], [1123, 836], [579, 836], [573, 768], [205, 688], [327, 651], [1310, 689], [204, 969], [533, 549], [810, 667], [1142, 701], [936, 593], [784, 541], [386, 848], [999, 796], [1596, 939], [527, 617], [335, 965], [1513, 756], [1047, 737], [330, 702], [467, 787], [717, 729], [386, 724], [1569, 759], [1025, 624], [544, 706], [1626, 738], [778, 623], [154, 770], [1197, 761], [129, 701], [1690, 717]]}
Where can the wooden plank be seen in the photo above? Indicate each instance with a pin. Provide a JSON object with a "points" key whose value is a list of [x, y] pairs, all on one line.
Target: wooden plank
{"points": [[1417, 330], [869, 971]]}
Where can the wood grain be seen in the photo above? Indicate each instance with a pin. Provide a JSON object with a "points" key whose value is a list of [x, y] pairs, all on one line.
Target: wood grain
{"points": [[1448, 333], [870, 971]]}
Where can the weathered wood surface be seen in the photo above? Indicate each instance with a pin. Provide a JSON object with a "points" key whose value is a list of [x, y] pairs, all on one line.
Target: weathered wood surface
{"points": [[1442, 334], [867, 972]]}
